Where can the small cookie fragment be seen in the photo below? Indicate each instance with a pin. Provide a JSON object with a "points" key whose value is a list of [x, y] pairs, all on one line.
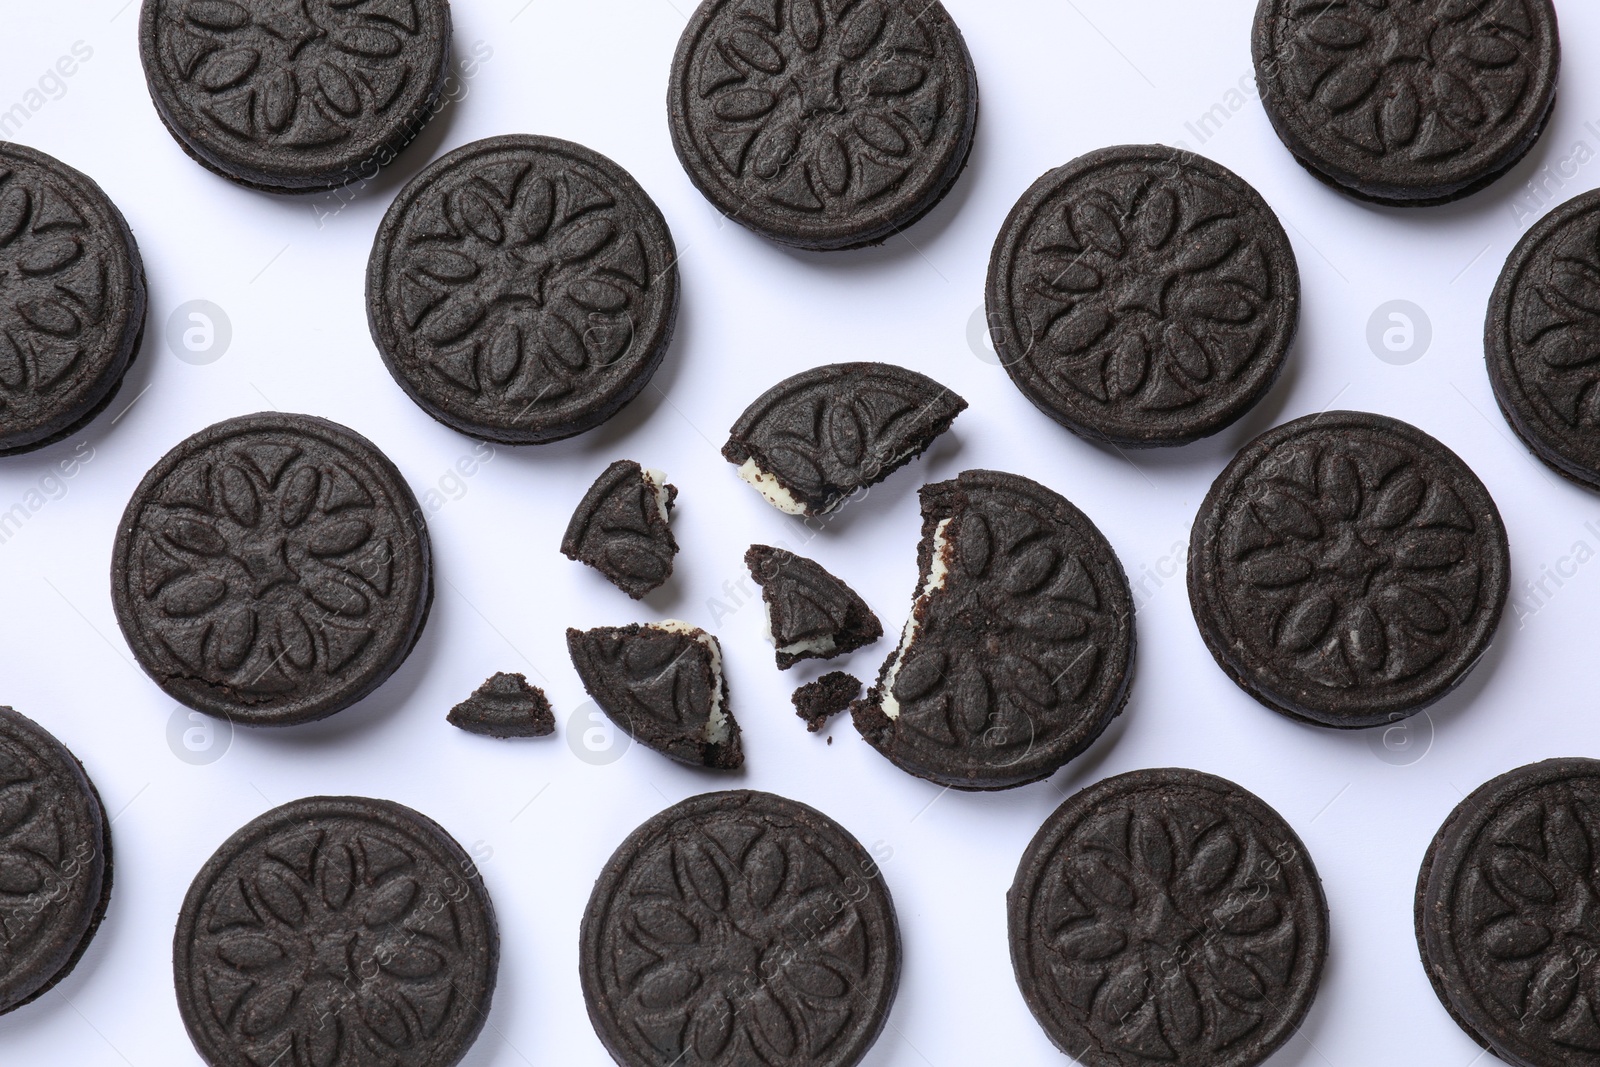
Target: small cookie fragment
{"points": [[663, 685], [1408, 103], [1348, 570], [823, 125], [336, 930], [505, 706], [74, 300], [295, 97], [810, 613], [622, 528], [1020, 646], [735, 924], [1167, 916], [817, 702], [55, 860], [813, 440], [1503, 913]]}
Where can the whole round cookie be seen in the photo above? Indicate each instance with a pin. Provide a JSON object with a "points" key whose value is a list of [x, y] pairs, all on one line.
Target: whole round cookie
{"points": [[1347, 569], [1542, 339], [739, 928], [298, 96], [1019, 649], [336, 930], [522, 289], [1167, 916], [1143, 295], [823, 124], [1411, 102], [55, 861], [1502, 914], [272, 569], [72, 315]]}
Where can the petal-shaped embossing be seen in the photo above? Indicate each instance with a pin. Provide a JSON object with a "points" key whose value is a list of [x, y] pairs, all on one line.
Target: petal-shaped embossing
{"points": [[1079, 328], [830, 165], [584, 240], [1128, 366], [250, 952], [1275, 569], [1304, 624], [665, 923], [454, 319], [710, 1027], [1397, 500], [336, 596], [1339, 484], [896, 78], [443, 264], [1515, 938], [338, 538], [225, 69], [1430, 549], [1419, 610], [1232, 975], [704, 878], [504, 354], [1214, 863], [1029, 569], [50, 315], [974, 701], [1179, 1005], [392, 902], [1124, 992], [1516, 875], [281, 896], [1457, 99], [192, 596], [847, 437], [974, 544], [668, 986], [14, 212], [815, 980], [919, 674], [1348, 85], [1207, 247], [1245, 916], [1157, 219], [1553, 987], [50, 255], [862, 28], [267, 1008], [1286, 515], [1091, 942], [234, 639], [773, 1024], [16, 804], [323, 1041], [479, 214], [336, 875], [1566, 840], [1186, 353], [742, 105], [339, 89], [881, 134], [1100, 881], [217, 14], [1401, 116], [299, 496], [239, 496], [197, 536], [1098, 226], [1028, 680], [1336, 32], [755, 50], [279, 96], [1152, 848], [365, 40], [409, 960], [1363, 640], [18, 875], [596, 295], [385, 1020]]}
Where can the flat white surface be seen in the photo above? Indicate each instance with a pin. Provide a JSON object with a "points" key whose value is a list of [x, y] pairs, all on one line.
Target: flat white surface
{"points": [[1058, 79]]}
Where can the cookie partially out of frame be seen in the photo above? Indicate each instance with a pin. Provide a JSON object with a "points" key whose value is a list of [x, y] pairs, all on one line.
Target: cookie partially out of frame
{"points": [[72, 300], [1408, 103], [272, 569], [1347, 569], [819, 124], [295, 97]]}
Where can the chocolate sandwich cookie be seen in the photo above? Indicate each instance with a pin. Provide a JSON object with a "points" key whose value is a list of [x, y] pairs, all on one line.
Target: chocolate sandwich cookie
{"points": [[1167, 916], [272, 569], [622, 528], [1411, 102], [505, 706], [1502, 913], [522, 289], [813, 441], [73, 305], [295, 97], [663, 685], [810, 613], [739, 928], [1019, 649], [823, 125], [55, 861], [1143, 295], [1542, 339], [1348, 570], [817, 702], [336, 930]]}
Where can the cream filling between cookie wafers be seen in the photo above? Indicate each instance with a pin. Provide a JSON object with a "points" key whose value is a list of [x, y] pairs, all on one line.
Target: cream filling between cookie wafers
{"points": [[717, 731], [656, 482], [769, 487], [938, 571], [819, 645]]}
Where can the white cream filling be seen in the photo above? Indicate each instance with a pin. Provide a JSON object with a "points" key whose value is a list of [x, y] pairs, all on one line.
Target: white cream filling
{"points": [[768, 486], [819, 645], [938, 571], [717, 729], [656, 482]]}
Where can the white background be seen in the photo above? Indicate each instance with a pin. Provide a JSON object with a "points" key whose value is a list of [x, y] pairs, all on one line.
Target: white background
{"points": [[1059, 77]]}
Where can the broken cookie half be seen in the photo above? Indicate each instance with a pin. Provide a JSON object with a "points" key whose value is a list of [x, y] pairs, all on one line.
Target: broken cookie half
{"points": [[810, 613], [1019, 649], [505, 706], [814, 440], [621, 528], [663, 685]]}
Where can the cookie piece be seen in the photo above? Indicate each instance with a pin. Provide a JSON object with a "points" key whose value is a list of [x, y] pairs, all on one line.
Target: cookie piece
{"points": [[505, 706], [272, 569], [1501, 917], [663, 685], [622, 528], [739, 927], [1143, 295], [522, 289], [73, 315], [339, 930], [1348, 570], [1167, 916], [817, 702], [55, 860], [810, 613], [1542, 339], [822, 125], [813, 441], [1407, 103], [295, 98], [1020, 645]]}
